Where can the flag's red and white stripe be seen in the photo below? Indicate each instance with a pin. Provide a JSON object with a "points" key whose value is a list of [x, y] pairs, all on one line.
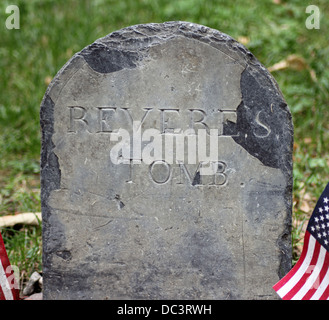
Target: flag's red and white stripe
{"points": [[309, 278], [8, 285]]}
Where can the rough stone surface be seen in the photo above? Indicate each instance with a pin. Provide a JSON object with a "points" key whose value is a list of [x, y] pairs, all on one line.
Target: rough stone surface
{"points": [[155, 229]]}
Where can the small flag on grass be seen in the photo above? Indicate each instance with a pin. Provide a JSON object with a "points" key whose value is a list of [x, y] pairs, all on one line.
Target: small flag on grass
{"points": [[309, 278], [8, 285]]}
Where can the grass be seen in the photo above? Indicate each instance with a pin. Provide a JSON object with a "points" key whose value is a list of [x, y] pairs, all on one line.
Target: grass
{"points": [[52, 31]]}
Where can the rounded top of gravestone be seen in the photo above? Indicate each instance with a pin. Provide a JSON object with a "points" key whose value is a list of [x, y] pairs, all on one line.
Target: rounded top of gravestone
{"points": [[135, 40], [263, 125]]}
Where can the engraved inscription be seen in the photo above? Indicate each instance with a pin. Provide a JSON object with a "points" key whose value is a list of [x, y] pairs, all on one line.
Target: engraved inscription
{"points": [[109, 119], [169, 151], [161, 172]]}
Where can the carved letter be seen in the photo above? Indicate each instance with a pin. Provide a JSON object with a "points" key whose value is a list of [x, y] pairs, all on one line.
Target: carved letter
{"points": [[164, 122], [268, 130], [197, 177], [193, 122], [225, 116], [103, 117], [131, 169], [220, 177], [147, 110], [163, 175], [77, 114]]}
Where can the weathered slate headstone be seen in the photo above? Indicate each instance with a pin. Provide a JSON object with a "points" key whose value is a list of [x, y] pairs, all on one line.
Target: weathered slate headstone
{"points": [[166, 170]]}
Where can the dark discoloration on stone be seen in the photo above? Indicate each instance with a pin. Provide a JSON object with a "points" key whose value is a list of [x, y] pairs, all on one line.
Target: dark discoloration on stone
{"points": [[105, 60], [263, 123], [50, 180]]}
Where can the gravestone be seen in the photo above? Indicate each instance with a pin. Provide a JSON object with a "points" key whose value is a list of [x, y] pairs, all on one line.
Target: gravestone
{"points": [[166, 170]]}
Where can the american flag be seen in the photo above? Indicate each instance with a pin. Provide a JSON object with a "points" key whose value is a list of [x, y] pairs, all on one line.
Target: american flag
{"points": [[309, 278], [8, 284]]}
